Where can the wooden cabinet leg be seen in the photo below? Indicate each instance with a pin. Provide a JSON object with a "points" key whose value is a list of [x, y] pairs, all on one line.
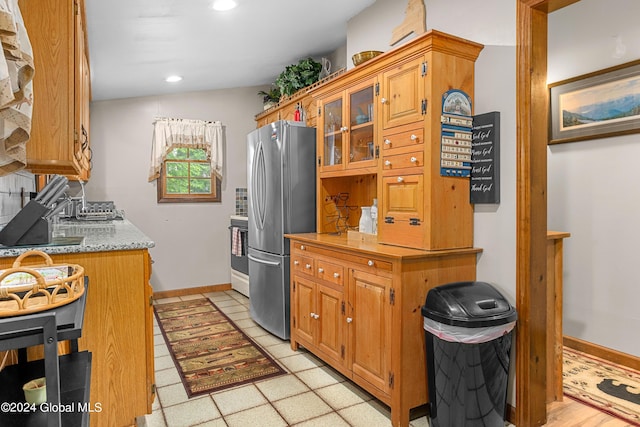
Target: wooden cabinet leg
{"points": [[400, 416]]}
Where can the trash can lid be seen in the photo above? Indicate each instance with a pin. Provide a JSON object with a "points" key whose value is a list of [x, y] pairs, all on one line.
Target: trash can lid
{"points": [[468, 304]]}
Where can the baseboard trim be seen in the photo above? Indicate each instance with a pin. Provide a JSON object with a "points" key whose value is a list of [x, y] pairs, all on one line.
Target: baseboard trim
{"points": [[190, 291], [609, 354], [511, 414]]}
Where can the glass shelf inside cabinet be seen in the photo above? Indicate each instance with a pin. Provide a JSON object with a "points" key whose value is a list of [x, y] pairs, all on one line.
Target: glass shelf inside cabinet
{"points": [[333, 134], [361, 124]]}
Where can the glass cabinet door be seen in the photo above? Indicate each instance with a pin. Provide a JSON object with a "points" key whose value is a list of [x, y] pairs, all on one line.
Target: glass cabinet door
{"points": [[333, 134], [361, 142]]}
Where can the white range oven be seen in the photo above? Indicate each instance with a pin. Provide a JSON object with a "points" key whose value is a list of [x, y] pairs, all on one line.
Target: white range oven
{"points": [[239, 244]]}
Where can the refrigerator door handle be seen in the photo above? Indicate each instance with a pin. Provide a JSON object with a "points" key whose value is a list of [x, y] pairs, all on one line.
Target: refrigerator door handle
{"points": [[258, 195], [262, 261]]}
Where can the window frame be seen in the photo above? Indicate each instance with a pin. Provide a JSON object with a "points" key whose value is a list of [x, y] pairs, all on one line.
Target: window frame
{"points": [[163, 197]]}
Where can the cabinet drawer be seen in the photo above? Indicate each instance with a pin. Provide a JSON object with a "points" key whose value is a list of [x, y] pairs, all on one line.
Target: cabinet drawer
{"points": [[302, 264], [330, 272], [399, 161], [371, 263], [407, 138]]}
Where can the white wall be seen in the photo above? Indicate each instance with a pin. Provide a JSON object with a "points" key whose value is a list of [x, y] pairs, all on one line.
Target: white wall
{"points": [[14, 194], [593, 190], [192, 239]]}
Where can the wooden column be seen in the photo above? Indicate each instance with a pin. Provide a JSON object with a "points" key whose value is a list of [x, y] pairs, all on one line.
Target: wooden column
{"points": [[532, 106], [531, 218]]}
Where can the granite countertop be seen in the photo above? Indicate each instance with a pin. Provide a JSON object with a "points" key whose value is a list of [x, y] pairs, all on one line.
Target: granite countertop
{"points": [[99, 236]]}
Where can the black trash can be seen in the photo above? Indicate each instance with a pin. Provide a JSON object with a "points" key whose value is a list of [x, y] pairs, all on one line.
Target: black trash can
{"points": [[468, 334]]}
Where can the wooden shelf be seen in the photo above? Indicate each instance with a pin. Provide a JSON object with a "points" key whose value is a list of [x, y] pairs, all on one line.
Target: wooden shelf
{"points": [[75, 378], [68, 376]]}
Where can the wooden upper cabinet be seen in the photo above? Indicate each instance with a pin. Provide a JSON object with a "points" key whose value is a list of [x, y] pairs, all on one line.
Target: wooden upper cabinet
{"points": [[346, 129], [59, 142], [403, 99]]}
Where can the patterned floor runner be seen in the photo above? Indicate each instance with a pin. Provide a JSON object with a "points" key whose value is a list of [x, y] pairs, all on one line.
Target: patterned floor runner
{"points": [[603, 385], [209, 350]]}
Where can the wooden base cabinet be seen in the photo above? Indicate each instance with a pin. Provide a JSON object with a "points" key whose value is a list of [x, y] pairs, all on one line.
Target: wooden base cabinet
{"points": [[356, 305], [118, 331]]}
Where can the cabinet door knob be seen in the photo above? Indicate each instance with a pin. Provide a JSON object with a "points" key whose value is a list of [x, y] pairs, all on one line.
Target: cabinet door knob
{"points": [[296, 262], [400, 179], [383, 100], [387, 142], [387, 162], [370, 263], [336, 275], [344, 128], [302, 248], [321, 270], [313, 315], [349, 320], [413, 137], [308, 266], [316, 316], [413, 160]]}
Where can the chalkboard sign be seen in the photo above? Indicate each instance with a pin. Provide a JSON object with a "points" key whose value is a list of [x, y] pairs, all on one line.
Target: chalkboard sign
{"points": [[485, 159]]}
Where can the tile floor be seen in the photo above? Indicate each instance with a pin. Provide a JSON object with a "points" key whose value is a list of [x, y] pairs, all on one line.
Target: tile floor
{"points": [[311, 394]]}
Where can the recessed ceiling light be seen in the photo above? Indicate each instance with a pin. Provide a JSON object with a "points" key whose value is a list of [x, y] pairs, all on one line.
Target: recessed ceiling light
{"points": [[173, 79], [223, 5]]}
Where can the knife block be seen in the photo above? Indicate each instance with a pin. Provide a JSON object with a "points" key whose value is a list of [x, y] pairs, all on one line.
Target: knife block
{"points": [[27, 227]]}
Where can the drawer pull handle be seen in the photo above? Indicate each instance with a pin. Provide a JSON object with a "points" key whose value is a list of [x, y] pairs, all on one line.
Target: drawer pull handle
{"points": [[349, 320], [336, 275], [296, 262], [413, 160], [321, 270], [383, 100], [302, 248], [370, 263], [413, 137], [387, 162], [400, 179], [387, 142], [307, 266]]}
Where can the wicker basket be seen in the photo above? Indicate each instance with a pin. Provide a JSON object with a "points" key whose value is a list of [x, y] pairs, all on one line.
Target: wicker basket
{"points": [[26, 290]]}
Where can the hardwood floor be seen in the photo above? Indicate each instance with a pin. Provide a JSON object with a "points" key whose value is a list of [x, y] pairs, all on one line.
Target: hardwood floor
{"points": [[570, 413]]}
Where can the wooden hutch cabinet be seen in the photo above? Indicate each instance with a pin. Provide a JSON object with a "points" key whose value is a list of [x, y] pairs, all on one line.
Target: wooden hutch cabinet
{"points": [[59, 142], [355, 300]]}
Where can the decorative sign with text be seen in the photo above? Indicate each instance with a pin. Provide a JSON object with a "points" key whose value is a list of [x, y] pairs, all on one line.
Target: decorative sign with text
{"points": [[456, 123], [485, 159]]}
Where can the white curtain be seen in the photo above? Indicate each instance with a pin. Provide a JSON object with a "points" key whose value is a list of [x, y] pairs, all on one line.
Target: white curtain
{"points": [[183, 133], [16, 96]]}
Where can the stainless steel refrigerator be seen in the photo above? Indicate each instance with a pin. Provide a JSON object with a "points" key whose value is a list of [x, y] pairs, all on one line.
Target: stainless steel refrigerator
{"points": [[282, 199]]}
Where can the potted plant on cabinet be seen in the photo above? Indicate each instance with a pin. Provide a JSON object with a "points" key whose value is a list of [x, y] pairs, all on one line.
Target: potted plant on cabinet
{"points": [[270, 97], [297, 76]]}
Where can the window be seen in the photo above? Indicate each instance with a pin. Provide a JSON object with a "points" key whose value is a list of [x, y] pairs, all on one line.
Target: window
{"points": [[186, 177]]}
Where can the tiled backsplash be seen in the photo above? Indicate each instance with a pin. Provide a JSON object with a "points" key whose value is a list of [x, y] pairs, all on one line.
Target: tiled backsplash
{"points": [[13, 189], [241, 202]]}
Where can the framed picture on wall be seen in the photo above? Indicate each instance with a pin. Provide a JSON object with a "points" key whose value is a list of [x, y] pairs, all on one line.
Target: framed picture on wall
{"points": [[601, 104]]}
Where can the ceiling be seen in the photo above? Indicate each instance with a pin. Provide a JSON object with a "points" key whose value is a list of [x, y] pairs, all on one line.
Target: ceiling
{"points": [[135, 44]]}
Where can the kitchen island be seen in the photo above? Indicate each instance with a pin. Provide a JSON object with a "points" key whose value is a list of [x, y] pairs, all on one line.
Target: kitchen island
{"points": [[118, 327]]}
